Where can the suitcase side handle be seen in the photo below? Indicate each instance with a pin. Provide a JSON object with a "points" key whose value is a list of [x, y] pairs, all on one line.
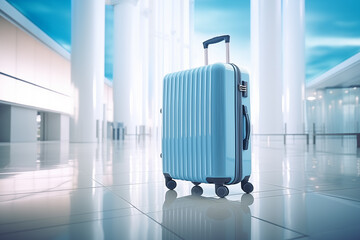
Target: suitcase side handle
{"points": [[214, 40], [247, 126]]}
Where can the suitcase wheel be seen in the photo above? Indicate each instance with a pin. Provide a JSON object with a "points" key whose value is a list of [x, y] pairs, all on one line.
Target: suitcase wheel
{"points": [[247, 187], [196, 183], [197, 190], [221, 191], [171, 184]]}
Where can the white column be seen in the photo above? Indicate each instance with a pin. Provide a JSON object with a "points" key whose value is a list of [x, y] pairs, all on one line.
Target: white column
{"points": [[145, 78], [160, 64], [99, 62], [294, 64], [87, 67], [266, 74], [127, 64], [191, 32], [153, 65]]}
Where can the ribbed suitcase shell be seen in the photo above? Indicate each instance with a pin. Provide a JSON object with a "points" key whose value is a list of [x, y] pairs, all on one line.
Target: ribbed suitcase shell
{"points": [[199, 124]]}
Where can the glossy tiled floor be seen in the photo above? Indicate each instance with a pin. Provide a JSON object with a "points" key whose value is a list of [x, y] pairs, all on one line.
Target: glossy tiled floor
{"points": [[116, 190]]}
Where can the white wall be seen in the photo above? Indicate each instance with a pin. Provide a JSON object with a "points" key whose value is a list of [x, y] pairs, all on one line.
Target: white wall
{"points": [[334, 110], [45, 77], [46, 74], [52, 126], [5, 114], [17, 124], [23, 125], [65, 127], [56, 127]]}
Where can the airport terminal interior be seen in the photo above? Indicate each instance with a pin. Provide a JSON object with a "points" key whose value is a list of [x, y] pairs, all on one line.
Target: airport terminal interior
{"points": [[81, 118]]}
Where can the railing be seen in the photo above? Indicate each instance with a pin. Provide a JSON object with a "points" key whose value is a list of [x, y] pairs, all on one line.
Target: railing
{"points": [[336, 134], [339, 134], [119, 132], [314, 134], [285, 135]]}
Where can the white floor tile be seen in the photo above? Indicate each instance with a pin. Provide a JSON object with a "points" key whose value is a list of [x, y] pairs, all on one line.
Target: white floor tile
{"points": [[117, 190]]}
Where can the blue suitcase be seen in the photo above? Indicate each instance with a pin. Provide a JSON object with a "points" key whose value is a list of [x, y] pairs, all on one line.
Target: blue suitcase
{"points": [[206, 125]]}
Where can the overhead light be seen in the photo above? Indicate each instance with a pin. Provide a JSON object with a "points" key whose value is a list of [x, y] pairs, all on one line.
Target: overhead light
{"points": [[331, 92], [354, 88], [311, 98], [320, 97], [346, 91]]}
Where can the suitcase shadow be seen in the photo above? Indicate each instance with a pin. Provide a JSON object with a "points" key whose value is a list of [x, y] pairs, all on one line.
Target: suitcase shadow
{"points": [[198, 217]]}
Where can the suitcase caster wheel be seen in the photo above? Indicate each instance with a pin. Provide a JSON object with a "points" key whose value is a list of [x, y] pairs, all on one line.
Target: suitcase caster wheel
{"points": [[222, 191], [247, 187], [196, 183], [197, 190], [171, 184]]}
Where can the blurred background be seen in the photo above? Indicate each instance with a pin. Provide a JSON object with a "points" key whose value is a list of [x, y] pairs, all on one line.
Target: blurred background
{"points": [[85, 71], [80, 124]]}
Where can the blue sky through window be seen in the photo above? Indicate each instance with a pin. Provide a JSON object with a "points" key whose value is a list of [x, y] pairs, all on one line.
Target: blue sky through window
{"points": [[109, 41], [332, 34], [332, 28], [52, 16]]}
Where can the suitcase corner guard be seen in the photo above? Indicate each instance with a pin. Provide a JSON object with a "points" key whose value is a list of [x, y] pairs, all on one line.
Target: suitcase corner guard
{"points": [[218, 180]]}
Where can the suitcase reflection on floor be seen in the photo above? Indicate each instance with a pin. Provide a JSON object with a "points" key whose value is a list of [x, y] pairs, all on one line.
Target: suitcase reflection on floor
{"points": [[197, 217]]}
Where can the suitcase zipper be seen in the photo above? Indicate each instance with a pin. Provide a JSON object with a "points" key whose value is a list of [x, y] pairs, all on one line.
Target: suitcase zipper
{"points": [[238, 155]]}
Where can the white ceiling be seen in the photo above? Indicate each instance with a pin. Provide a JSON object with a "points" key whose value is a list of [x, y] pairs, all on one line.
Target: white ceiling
{"points": [[346, 74]]}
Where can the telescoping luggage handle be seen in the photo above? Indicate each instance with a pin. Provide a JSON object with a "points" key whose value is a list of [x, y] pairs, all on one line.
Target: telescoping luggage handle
{"points": [[217, 39]]}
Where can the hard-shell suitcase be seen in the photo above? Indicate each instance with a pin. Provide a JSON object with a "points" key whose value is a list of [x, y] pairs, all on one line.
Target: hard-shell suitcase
{"points": [[206, 125]]}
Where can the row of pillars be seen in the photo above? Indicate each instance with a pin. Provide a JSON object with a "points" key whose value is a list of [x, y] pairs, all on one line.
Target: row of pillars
{"points": [[87, 66], [277, 45], [139, 31]]}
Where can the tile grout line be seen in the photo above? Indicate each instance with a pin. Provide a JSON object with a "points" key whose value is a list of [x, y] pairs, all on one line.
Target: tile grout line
{"points": [[44, 191], [106, 187], [300, 237], [60, 225], [73, 215], [59, 190], [313, 191], [339, 197], [260, 219]]}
